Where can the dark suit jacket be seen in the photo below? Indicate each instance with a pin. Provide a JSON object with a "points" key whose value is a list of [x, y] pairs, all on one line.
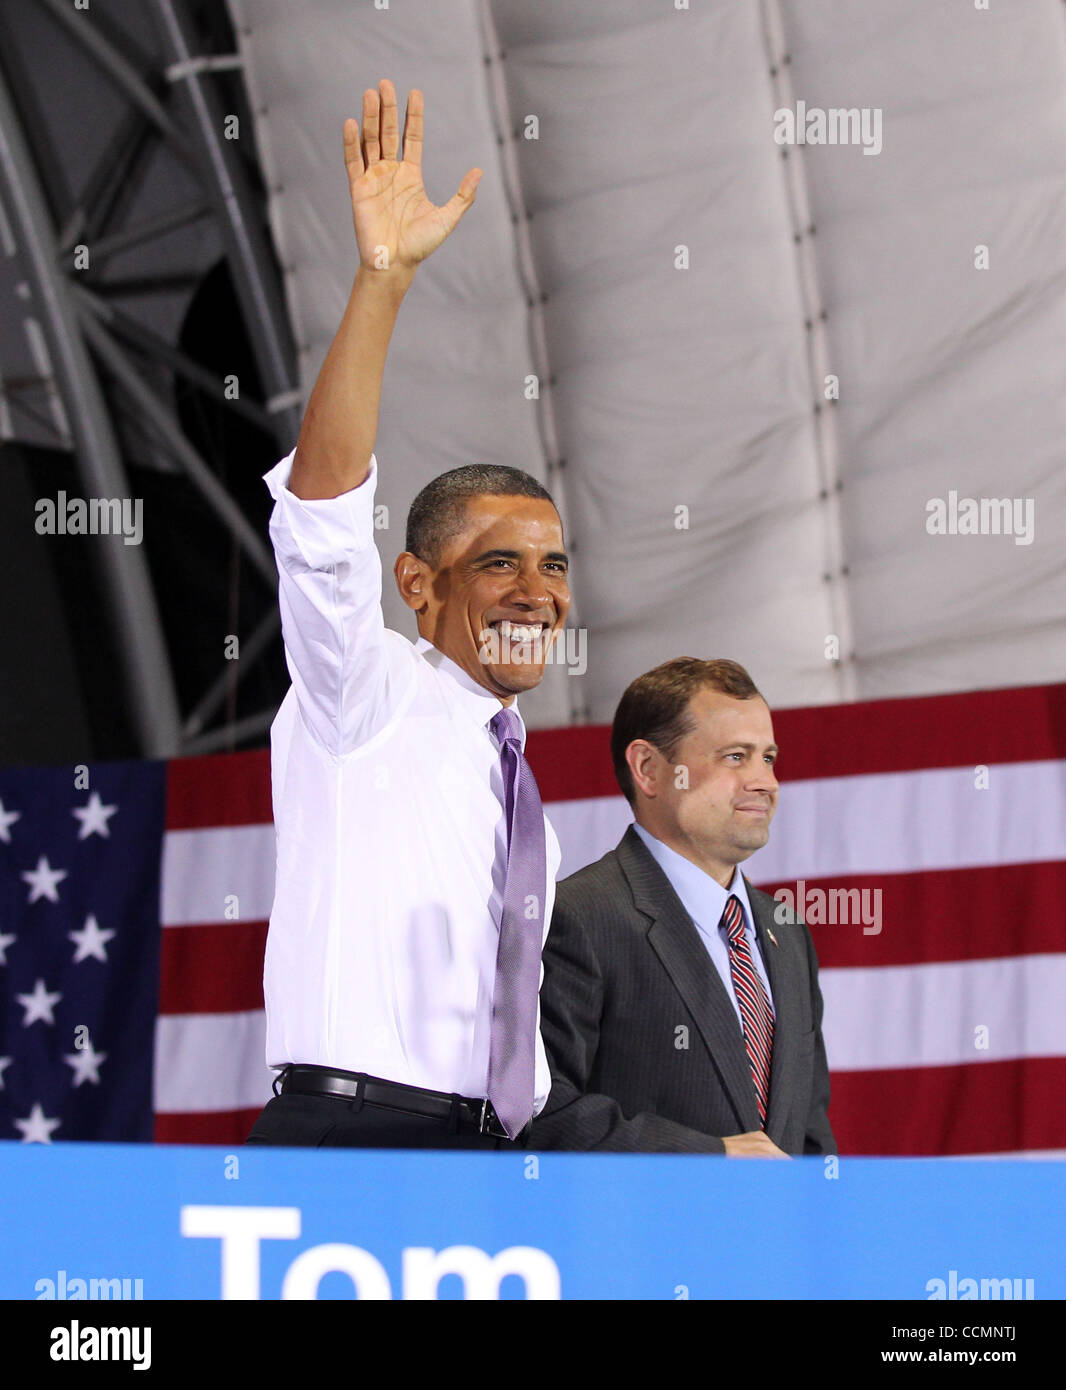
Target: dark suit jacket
{"points": [[645, 1047]]}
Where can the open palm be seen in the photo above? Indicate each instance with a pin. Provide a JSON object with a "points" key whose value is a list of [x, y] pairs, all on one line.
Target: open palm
{"points": [[396, 225]]}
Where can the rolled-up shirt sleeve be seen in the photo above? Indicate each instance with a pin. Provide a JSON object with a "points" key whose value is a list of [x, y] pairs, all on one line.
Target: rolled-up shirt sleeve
{"points": [[343, 667]]}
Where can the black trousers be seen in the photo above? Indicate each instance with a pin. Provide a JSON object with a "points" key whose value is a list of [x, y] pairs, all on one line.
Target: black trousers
{"points": [[326, 1122]]}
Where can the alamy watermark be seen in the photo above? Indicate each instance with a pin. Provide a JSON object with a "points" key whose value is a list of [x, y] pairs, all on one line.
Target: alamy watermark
{"points": [[77, 1343], [982, 516], [966, 1288], [534, 645], [93, 516], [63, 1288], [839, 125], [847, 907]]}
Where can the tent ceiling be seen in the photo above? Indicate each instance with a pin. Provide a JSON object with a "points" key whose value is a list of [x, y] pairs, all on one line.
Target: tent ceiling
{"points": [[705, 388]]}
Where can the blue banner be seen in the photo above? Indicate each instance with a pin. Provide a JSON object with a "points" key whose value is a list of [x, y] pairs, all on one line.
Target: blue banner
{"points": [[114, 1221]]}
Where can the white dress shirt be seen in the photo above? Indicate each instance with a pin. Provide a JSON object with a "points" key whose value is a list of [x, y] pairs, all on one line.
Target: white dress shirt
{"points": [[704, 899], [391, 833]]}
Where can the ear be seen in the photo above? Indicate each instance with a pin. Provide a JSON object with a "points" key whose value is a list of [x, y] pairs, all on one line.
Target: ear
{"points": [[645, 765], [413, 579]]}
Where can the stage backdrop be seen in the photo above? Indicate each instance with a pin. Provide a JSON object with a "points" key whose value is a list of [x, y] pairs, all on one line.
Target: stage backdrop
{"points": [[923, 838]]}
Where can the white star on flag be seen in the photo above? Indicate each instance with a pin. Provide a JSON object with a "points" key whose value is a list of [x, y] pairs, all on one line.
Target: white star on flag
{"points": [[37, 1128], [94, 817], [5, 942], [7, 820], [90, 941], [43, 880], [86, 1064], [5, 1062], [38, 1005]]}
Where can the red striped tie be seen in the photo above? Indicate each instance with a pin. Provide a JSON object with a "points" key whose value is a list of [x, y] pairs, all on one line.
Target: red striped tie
{"points": [[754, 1005]]}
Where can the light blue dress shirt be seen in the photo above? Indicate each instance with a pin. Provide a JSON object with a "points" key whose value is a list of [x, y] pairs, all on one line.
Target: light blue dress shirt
{"points": [[704, 900]]}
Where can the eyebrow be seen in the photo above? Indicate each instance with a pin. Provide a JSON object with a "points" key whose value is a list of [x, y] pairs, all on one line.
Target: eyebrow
{"points": [[748, 747], [516, 555]]}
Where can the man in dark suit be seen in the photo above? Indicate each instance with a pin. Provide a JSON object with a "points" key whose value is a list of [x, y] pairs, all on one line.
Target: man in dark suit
{"points": [[680, 1006]]}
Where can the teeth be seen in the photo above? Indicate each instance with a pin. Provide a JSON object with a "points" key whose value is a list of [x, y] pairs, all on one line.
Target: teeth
{"points": [[523, 632]]}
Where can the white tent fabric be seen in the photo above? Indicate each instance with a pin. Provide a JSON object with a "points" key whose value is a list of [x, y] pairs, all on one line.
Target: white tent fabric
{"points": [[717, 500]]}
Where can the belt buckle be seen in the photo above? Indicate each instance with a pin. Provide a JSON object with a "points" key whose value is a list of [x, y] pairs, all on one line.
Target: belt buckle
{"points": [[489, 1121]]}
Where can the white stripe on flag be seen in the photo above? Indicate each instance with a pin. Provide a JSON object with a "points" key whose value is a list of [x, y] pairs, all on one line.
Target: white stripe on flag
{"points": [[211, 1062], [202, 869], [904, 822], [892, 823], [587, 829], [929, 1015]]}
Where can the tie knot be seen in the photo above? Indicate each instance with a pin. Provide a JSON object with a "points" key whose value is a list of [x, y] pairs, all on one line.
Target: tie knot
{"points": [[506, 727], [733, 918]]}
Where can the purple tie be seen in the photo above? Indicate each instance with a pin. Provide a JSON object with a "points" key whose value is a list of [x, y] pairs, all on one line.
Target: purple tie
{"points": [[512, 1043]]}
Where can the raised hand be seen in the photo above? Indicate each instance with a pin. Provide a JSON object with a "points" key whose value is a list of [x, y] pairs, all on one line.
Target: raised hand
{"points": [[396, 225]]}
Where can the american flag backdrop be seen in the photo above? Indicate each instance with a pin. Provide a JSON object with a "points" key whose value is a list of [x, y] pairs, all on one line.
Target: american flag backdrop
{"points": [[135, 899]]}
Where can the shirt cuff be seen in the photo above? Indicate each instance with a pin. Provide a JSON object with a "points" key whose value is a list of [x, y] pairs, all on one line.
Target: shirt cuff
{"points": [[323, 528]]}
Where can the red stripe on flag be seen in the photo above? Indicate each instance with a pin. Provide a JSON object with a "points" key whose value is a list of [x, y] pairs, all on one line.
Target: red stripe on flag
{"points": [[979, 1107], [572, 764], [206, 1127], [979, 727], [223, 789], [905, 735], [213, 969], [947, 915]]}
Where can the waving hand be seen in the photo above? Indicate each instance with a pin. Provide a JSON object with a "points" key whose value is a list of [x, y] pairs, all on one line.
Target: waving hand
{"points": [[396, 225]]}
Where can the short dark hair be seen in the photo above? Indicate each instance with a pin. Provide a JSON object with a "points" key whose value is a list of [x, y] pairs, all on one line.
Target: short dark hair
{"points": [[439, 511], [655, 707]]}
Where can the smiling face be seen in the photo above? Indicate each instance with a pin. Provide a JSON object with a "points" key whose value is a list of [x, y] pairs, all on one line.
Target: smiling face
{"points": [[499, 597], [718, 812]]}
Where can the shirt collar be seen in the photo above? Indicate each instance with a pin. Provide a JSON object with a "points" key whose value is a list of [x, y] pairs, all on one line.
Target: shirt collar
{"points": [[702, 897], [481, 703]]}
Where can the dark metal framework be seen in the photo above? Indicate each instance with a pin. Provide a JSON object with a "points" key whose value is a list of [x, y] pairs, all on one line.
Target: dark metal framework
{"points": [[89, 346]]}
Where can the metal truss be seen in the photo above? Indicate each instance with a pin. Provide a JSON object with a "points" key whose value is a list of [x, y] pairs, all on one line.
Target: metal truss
{"points": [[91, 349]]}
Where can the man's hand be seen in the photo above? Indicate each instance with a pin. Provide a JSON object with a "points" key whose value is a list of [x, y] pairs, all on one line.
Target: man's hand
{"points": [[755, 1144], [396, 226]]}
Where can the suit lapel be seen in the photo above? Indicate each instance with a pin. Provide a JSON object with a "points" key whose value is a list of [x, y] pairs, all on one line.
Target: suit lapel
{"points": [[780, 968], [676, 941]]}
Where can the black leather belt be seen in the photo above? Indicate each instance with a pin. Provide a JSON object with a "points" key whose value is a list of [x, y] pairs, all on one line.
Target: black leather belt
{"points": [[302, 1079]]}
